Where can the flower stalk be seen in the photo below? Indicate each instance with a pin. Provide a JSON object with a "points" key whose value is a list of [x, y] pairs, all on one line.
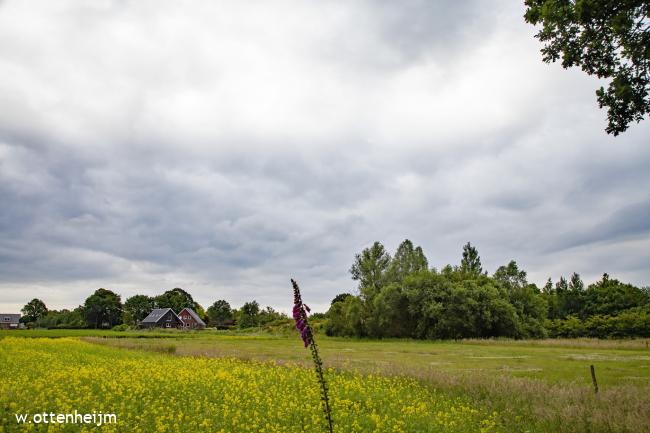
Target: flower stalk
{"points": [[300, 311]]}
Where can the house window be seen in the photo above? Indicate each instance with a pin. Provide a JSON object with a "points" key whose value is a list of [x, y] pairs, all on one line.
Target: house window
{"points": [[6, 319]]}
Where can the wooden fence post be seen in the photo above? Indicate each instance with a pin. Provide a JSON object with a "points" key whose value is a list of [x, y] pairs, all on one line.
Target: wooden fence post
{"points": [[593, 379]]}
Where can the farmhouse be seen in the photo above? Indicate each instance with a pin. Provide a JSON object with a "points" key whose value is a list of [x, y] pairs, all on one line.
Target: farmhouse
{"points": [[190, 319], [162, 318], [9, 321], [167, 318]]}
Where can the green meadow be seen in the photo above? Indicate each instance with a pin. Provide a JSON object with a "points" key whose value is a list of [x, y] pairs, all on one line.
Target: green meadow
{"points": [[617, 362], [552, 363]]}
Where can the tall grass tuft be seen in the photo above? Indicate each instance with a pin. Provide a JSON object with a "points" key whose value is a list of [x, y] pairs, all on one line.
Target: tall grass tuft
{"points": [[300, 311]]}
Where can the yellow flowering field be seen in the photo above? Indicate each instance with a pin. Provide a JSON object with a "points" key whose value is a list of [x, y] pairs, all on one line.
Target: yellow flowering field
{"points": [[152, 392]]}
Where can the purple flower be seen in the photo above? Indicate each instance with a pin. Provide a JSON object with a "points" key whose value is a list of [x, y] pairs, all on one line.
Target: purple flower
{"points": [[300, 311], [300, 316], [305, 334]]}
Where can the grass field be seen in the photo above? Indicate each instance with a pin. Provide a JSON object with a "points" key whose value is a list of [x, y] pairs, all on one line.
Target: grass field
{"points": [[519, 386], [549, 363]]}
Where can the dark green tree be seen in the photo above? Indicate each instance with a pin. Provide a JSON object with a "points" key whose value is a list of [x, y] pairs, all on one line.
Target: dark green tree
{"points": [[455, 304], [369, 269], [574, 298], [471, 262], [567, 298], [103, 309], [391, 316], [610, 296], [33, 310], [407, 260], [268, 315], [549, 294], [219, 313], [63, 319], [136, 308], [176, 299], [511, 275], [340, 298], [575, 283], [548, 287], [345, 318], [646, 290], [527, 300], [561, 286], [248, 315], [606, 38], [200, 311]]}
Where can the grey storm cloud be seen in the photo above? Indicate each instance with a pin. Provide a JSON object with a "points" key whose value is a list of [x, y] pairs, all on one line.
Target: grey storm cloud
{"points": [[631, 221], [225, 147]]}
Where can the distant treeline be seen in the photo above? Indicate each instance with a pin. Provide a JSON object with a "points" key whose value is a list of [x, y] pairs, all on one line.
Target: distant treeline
{"points": [[401, 296], [104, 309]]}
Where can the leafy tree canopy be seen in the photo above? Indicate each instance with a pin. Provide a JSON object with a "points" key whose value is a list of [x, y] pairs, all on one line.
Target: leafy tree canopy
{"points": [[103, 309], [369, 269], [248, 314], [34, 310], [340, 298], [176, 299], [471, 262], [64, 319], [219, 313], [606, 38], [575, 283], [269, 315], [511, 275], [610, 296], [407, 260], [548, 287], [200, 311], [137, 307]]}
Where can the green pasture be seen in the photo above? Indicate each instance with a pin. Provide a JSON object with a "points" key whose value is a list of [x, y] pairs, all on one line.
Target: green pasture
{"points": [[548, 363], [625, 362]]}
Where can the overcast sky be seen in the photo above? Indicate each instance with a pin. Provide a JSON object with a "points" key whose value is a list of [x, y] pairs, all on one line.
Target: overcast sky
{"points": [[226, 146]]}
